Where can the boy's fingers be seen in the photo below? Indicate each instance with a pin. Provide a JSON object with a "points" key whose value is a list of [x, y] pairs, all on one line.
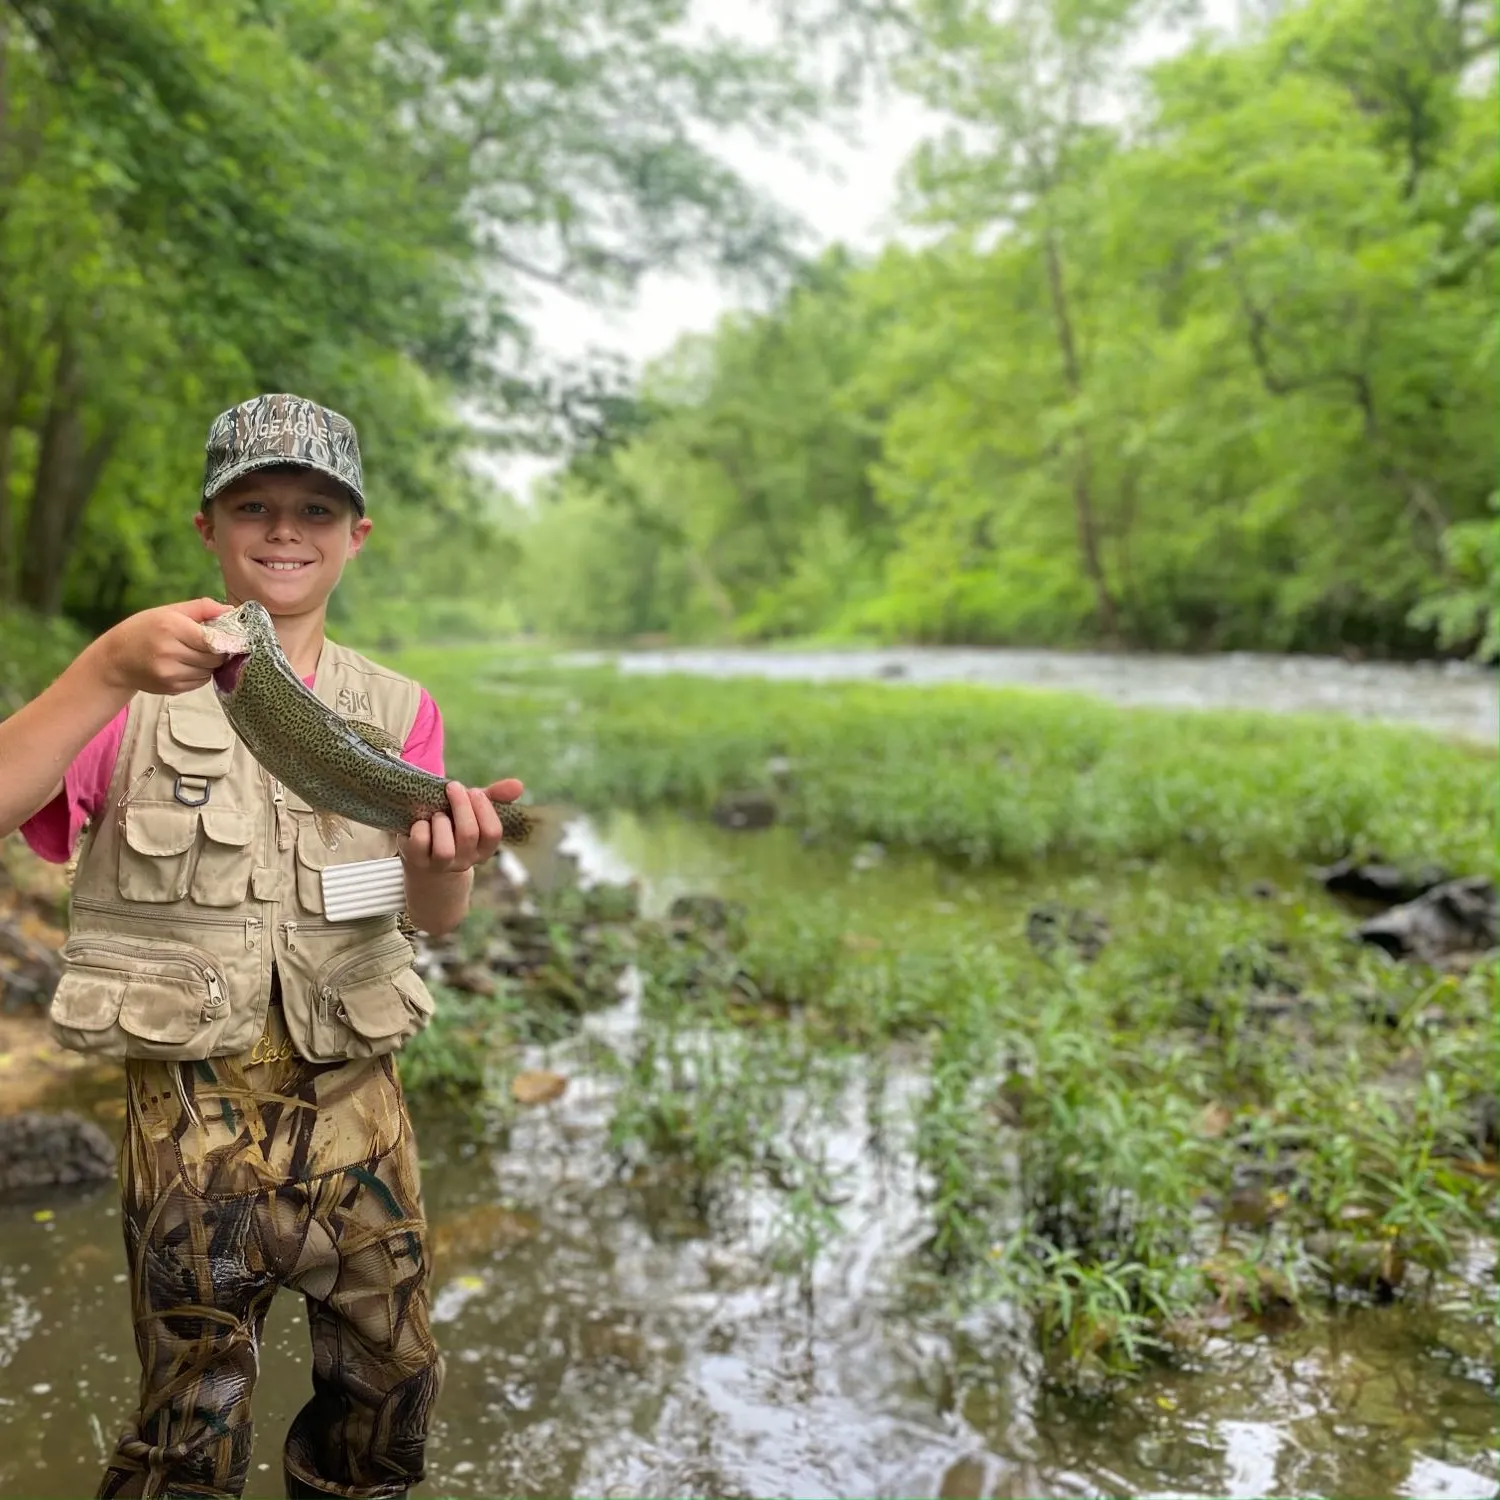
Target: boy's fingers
{"points": [[505, 791], [465, 827], [442, 838], [487, 820]]}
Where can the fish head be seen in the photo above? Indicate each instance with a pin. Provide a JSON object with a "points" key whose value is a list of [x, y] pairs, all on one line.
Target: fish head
{"points": [[238, 634]]}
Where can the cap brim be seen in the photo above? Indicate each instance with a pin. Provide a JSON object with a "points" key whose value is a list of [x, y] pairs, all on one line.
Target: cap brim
{"points": [[280, 461]]}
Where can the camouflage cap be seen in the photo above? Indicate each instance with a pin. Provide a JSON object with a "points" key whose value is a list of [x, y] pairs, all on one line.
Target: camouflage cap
{"points": [[280, 429]]}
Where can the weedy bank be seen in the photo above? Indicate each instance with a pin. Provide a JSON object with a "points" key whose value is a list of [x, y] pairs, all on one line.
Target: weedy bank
{"points": [[1162, 1091]]}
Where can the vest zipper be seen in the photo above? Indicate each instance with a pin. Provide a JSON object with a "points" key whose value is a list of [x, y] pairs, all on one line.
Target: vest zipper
{"points": [[133, 913], [289, 932], [279, 813]]}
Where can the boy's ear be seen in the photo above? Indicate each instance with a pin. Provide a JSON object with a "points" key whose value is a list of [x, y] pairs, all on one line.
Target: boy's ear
{"points": [[358, 532], [205, 524]]}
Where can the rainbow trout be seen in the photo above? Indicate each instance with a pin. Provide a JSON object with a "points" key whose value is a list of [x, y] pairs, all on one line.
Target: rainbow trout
{"points": [[342, 768]]}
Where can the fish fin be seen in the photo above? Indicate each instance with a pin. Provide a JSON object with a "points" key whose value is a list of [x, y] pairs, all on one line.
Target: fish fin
{"points": [[331, 828], [516, 822], [376, 737]]}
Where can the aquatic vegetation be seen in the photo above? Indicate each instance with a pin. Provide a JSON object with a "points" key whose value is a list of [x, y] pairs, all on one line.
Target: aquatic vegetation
{"points": [[976, 775], [1156, 1088]]}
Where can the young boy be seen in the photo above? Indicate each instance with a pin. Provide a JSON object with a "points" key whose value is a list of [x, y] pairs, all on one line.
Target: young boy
{"points": [[266, 1139]]}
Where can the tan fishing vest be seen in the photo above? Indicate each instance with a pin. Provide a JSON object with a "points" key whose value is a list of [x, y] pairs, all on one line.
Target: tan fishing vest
{"points": [[201, 871]]}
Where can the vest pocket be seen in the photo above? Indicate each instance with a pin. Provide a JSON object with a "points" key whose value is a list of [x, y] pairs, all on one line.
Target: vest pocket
{"points": [[368, 1003], [222, 874], [137, 997], [156, 850]]}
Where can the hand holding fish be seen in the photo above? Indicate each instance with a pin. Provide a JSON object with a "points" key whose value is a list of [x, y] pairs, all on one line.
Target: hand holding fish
{"points": [[468, 835], [162, 650], [346, 769]]}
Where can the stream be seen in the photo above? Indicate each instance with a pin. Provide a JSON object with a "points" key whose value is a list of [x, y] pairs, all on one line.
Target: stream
{"points": [[605, 1342], [1453, 698]]}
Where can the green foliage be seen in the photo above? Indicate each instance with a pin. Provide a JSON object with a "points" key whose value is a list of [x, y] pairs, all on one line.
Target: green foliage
{"points": [[201, 201], [33, 652], [1217, 374], [1468, 606]]}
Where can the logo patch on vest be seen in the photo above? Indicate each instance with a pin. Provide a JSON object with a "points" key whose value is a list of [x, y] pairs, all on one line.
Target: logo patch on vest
{"points": [[354, 705]]}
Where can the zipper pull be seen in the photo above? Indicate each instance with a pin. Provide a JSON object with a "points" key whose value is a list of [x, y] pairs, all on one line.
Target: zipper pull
{"points": [[289, 932], [283, 818], [325, 1003], [252, 931], [215, 1004]]}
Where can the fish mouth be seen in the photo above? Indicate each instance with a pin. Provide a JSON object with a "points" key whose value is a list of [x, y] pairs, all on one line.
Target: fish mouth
{"points": [[226, 678]]}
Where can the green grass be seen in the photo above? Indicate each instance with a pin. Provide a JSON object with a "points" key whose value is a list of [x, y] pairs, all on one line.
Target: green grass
{"points": [[975, 775]]}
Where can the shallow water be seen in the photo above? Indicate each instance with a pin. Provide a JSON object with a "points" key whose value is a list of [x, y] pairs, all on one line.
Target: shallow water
{"points": [[1450, 697], [603, 1340]]}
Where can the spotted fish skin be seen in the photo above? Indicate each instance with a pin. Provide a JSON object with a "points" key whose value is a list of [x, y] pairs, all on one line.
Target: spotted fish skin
{"points": [[309, 747]]}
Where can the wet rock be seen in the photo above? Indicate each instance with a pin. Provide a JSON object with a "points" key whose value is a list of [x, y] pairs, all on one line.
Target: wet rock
{"points": [[52, 1150], [1373, 880], [745, 810], [29, 961], [1452, 921], [891, 671], [867, 856], [1264, 890], [1050, 927]]}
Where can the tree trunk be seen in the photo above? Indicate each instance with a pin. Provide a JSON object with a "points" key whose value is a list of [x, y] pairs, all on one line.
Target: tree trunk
{"points": [[1083, 500], [67, 470]]}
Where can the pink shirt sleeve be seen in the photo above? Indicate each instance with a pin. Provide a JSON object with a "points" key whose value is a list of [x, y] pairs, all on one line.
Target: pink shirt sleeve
{"points": [[53, 831], [424, 745]]}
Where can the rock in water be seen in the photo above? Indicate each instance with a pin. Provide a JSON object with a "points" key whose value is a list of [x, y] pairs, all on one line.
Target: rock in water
{"points": [[52, 1150], [1376, 881], [1453, 919]]}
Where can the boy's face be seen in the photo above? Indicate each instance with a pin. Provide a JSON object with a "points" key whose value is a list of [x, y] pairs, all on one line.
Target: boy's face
{"points": [[282, 538]]}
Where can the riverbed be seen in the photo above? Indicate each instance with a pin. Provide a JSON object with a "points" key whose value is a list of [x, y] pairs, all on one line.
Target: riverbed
{"points": [[1454, 698], [603, 1340]]}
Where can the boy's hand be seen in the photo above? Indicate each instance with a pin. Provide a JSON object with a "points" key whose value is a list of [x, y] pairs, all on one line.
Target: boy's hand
{"points": [[468, 835], [161, 650]]}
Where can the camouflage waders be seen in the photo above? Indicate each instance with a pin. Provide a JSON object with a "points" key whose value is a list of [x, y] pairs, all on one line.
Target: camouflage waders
{"points": [[242, 1175]]}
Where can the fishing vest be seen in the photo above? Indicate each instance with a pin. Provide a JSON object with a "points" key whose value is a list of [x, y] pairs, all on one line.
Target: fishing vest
{"points": [[202, 871]]}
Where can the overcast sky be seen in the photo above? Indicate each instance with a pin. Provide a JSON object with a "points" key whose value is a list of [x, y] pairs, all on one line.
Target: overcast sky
{"points": [[849, 196]]}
